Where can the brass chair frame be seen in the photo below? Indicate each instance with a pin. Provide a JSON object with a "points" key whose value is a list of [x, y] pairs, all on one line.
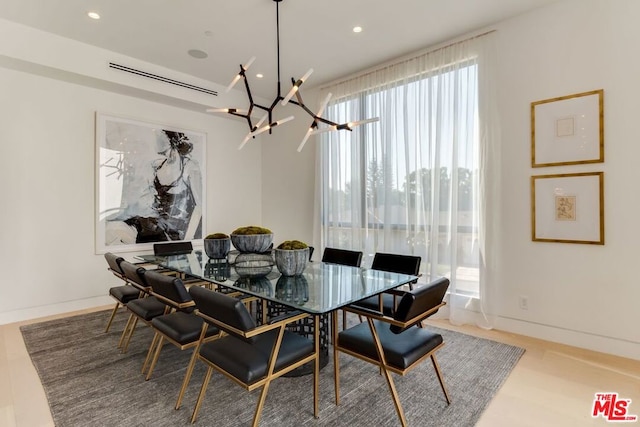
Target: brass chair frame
{"points": [[271, 375], [132, 322], [159, 339], [120, 275], [385, 368]]}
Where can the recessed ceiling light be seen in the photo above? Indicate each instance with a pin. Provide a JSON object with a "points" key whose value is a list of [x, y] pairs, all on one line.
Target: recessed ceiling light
{"points": [[93, 15], [357, 29], [197, 53], [259, 75]]}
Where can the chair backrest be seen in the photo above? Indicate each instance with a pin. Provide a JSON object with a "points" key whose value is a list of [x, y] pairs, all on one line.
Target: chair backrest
{"points": [[342, 256], [395, 263], [114, 263], [223, 308], [420, 301], [172, 248], [134, 274], [170, 287]]}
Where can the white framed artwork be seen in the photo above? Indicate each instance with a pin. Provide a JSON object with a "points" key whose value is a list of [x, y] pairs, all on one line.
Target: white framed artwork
{"points": [[150, 180]]}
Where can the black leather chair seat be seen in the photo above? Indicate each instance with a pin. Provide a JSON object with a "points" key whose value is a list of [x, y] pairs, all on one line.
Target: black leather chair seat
{"points": [[147, 308], [401, 350], [124, 293], [181, 327], [249, 363]]}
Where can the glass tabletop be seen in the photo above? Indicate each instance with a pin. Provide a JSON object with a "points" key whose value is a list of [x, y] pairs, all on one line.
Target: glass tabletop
{"points": [[321, 288]]}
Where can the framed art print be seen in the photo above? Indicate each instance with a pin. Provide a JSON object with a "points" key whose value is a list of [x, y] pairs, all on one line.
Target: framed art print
{"points": [[568, 208], [568, 130], [149, 184]]}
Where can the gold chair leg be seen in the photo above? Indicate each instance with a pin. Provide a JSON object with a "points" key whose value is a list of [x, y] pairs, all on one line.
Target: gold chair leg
{"points": [[436, 366], [263, 397], [264, 311], [387, 374], [187, 377], [316, 367], [150, 351], [336, 362], [156, 355], [113, 314], [132, 330], [203, 389], [125, 331]]}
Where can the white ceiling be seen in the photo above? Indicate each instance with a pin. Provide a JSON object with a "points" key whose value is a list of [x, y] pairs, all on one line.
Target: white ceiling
{"points": [[313, 33]]}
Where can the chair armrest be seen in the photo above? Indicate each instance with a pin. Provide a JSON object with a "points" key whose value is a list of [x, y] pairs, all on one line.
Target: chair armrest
{"points": [[290, 318], [373, 314], [277, 322], [173, 303], [397, 292], [362, 311]]}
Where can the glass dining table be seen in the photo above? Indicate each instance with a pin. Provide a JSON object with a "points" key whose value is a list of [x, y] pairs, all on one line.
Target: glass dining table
{"points": [[320, 290]]}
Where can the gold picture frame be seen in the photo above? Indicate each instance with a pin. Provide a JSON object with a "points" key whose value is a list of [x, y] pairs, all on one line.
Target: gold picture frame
{"points": [[568, 208], [568, 130]]}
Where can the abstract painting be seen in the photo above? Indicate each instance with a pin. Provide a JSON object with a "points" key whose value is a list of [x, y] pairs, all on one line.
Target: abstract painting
{"points": [[149, 184]]}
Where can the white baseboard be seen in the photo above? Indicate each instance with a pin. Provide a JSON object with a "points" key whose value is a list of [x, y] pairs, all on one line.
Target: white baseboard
{"points": [[53, 309], [468, 312], [603, 344]]}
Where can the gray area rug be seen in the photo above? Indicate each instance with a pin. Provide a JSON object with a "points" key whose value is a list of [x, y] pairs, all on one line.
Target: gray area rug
{"points": [[89, 382]]}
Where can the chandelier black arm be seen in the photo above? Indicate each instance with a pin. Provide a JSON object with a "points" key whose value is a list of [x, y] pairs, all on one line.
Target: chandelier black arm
{"points": [[316, 118], [296, 84]]}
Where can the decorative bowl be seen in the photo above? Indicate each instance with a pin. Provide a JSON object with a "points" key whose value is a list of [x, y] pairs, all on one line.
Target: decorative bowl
{"points": [[217, 248], [291, 262], [252, 243]]}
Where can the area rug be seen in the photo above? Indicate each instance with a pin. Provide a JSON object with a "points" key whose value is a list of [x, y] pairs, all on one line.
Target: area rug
{"points": [[88, 381]]}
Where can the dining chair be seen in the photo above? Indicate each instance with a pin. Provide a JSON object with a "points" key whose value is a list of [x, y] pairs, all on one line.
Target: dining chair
{"points": [[123, 293], [179, 248], [145, 308], [398, 343], [342, 257], [250, 355], [172, 248], [181, 326], [394, 263]]}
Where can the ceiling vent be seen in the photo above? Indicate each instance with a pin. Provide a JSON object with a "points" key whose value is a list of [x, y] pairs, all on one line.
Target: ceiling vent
{"points": [[162, 79]]}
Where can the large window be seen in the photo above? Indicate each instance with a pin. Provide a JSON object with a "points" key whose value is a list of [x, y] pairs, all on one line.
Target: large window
{"points": [[410, 182]]}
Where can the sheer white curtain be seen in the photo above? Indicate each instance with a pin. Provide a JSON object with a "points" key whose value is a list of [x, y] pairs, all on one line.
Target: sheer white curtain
{"points": [[420, 181]]}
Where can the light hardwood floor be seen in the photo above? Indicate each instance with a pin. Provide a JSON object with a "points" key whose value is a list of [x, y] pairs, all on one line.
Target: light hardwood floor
{"points": [[552, 384]]}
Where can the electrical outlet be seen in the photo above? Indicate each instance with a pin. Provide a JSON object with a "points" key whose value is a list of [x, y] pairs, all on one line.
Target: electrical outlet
{"points": [[524, 302]]}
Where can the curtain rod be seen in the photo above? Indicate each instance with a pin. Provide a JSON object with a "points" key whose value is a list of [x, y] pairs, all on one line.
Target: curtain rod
{"points": [[402, 59]]}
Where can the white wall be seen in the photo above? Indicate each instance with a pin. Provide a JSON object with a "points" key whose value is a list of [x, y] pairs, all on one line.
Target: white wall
{"points": [[47, 166], [579, 294]]}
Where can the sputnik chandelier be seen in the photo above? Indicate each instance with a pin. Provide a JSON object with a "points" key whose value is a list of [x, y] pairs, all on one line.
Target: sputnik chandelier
{"points": [[259, 127]]}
